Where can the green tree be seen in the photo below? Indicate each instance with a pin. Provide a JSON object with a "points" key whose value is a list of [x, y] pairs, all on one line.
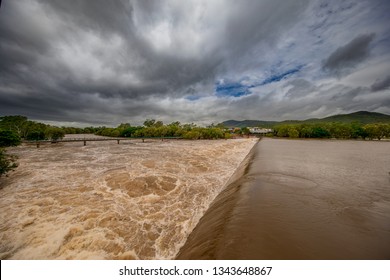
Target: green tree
{"points": [[340, 130], [305, 131], [89, 130], [54, 133], [384, 130], [149, 122], [69, 130], [162, 131], [282, 131], [130, 131], [245, 131], [373, 131], [123, 126], [227, 135], [320, 132], [36, 135], [14, 123], [174, 129], [357, 131], [193, 134], [158, 124], [139, 133], [115, 133], [293, 132], [9, 138], [150, 131]]}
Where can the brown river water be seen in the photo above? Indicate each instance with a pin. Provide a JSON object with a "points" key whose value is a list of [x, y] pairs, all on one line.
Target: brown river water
{"points": [[301, 199], [134, 200], [288, 199]]}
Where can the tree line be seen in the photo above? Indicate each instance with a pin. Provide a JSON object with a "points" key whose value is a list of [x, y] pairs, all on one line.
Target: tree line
{"points": [[19, 127], [13, 129], [157, 129], [334, 130], [22, 128]]}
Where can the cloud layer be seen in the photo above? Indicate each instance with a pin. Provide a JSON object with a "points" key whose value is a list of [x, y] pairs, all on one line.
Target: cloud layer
{"points": [[106, 62], [349, 55]]}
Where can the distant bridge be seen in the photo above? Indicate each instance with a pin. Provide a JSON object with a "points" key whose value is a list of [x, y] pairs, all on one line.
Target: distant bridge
{"points": [[84, 140]]}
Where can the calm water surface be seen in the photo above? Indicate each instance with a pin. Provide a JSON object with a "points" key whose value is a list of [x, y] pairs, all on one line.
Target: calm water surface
{"points": [[299, 199]]}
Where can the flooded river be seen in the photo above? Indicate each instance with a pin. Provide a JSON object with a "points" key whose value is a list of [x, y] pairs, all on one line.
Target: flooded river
{"points": [[301, 199], [134, 200]]}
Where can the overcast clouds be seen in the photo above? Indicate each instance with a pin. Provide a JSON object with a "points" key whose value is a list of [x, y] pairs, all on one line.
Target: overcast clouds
{"points": [[106, 62]]}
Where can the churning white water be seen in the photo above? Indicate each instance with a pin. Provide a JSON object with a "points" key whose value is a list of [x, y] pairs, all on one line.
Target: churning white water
{"points": [[134, 200]]}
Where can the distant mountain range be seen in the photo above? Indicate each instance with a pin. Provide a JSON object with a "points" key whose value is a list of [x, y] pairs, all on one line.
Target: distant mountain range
{"points": [[363, 117]]}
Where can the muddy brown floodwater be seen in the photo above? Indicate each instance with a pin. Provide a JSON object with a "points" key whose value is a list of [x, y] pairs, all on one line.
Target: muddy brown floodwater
{"points": [[107, 201], [300, 199]]}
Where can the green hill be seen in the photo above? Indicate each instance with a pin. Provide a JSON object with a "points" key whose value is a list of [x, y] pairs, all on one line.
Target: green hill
{"points": [[362, 117]]}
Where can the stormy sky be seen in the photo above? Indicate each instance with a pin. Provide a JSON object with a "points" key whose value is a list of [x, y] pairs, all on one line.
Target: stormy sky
{"points": [[99, 62]]}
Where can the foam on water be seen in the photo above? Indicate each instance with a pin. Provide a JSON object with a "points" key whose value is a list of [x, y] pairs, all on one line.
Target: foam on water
{"points": [[107, 201]]}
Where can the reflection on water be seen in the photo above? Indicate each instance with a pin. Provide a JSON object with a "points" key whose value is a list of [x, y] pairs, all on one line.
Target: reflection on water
{"points": [[301, 200], [110, 201]]}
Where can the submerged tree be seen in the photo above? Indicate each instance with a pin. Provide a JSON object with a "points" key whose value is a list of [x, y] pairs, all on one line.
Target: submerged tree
{"points": [[7, 162]]}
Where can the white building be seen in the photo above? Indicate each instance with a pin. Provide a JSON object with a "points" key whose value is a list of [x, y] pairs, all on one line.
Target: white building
{"points": [[259, 130]]}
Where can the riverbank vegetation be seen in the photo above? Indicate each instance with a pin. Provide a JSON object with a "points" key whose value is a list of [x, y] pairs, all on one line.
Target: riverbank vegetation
{"points": [[20, 128], [334, 130], [157, 129], [14, 129], [30, 130]]}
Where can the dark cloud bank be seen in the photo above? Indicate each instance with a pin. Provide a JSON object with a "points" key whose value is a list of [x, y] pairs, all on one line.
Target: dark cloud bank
{"points": [[106, 62], [349, 55]]}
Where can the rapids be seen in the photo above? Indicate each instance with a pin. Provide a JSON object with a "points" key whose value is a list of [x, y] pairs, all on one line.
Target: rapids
{"points": [[107, 201]]}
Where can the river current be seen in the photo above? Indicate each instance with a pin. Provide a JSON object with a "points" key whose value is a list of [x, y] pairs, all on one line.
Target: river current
{"points": [[288, 199], [133, 200], [301, 199]]}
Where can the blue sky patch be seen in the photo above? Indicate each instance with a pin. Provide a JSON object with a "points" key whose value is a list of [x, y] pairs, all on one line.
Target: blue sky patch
{"points": [[235, 89], [281, 76]]}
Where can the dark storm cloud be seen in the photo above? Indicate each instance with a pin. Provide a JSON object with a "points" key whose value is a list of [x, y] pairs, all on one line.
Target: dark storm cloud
{"points": [[381, 84], [66, 52], [113, 61], [350, 54]]}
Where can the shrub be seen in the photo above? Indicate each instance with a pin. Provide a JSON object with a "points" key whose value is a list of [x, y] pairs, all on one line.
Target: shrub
{"points": [[7, 162]]}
